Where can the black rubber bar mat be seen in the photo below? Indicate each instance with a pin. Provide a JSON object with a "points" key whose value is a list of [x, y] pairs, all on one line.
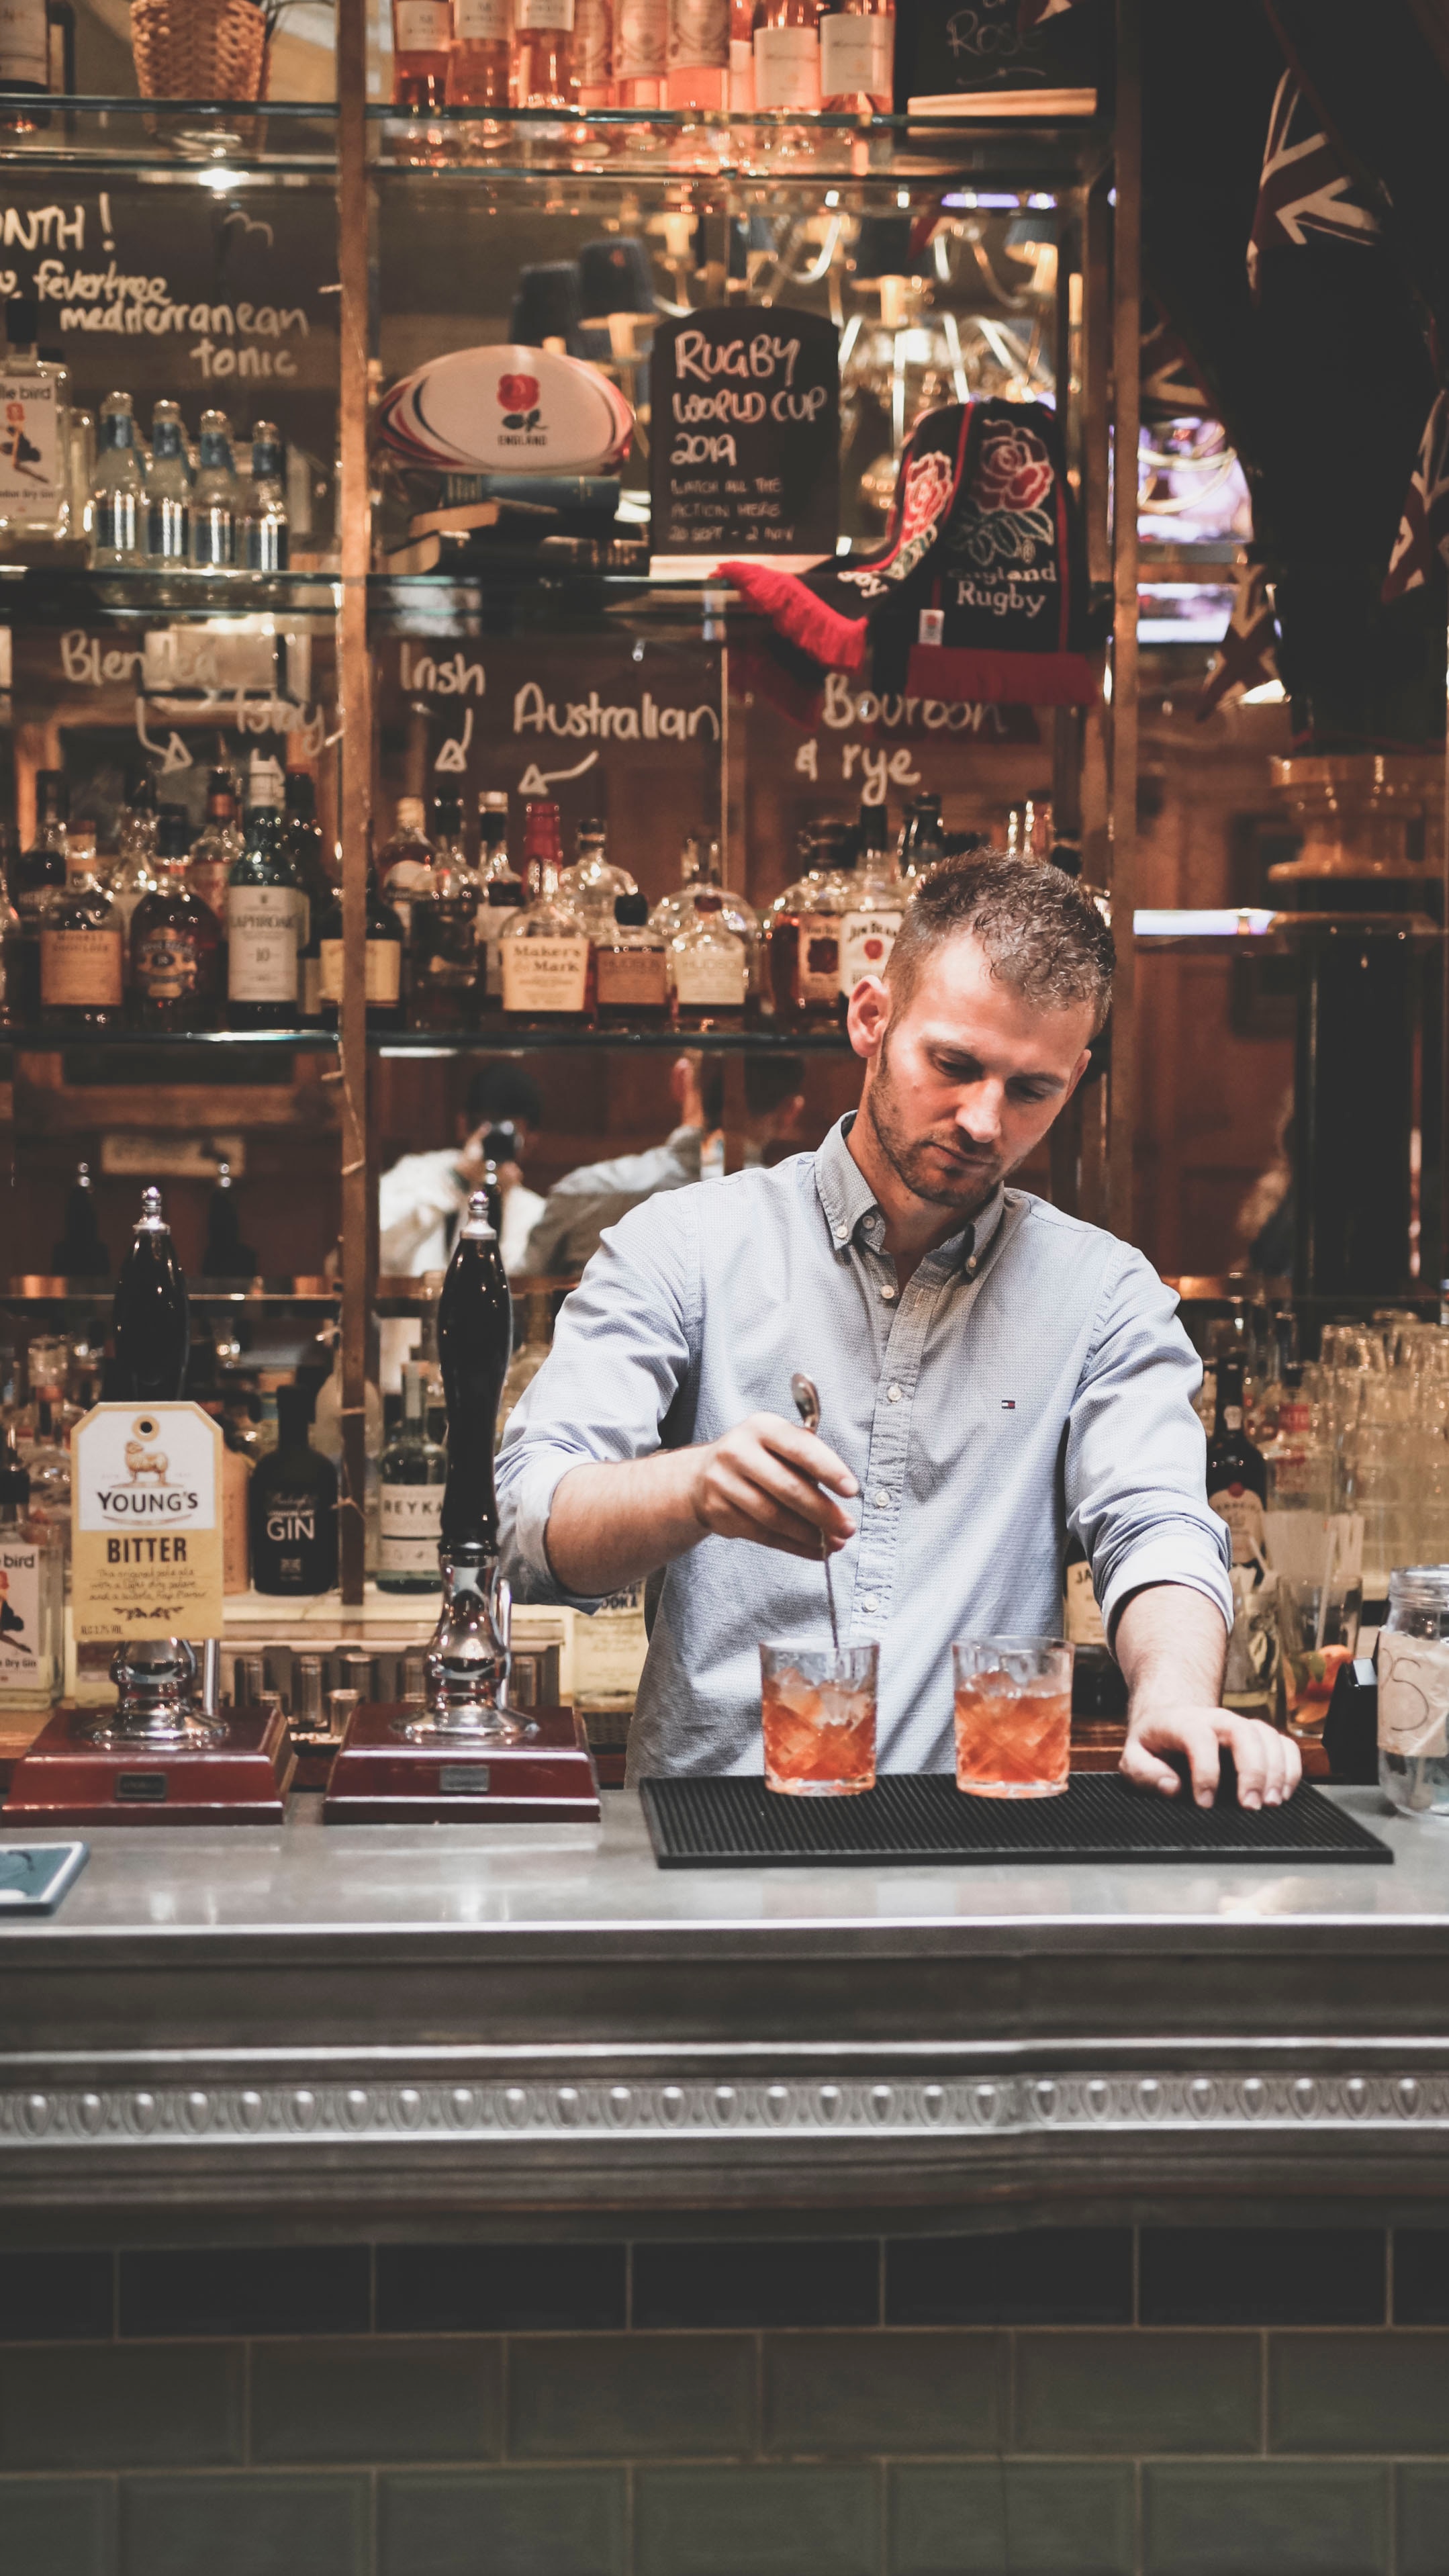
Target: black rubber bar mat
{"points": [[740, 1824]]}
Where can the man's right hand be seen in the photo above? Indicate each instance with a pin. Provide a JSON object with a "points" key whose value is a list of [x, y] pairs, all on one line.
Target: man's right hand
{"points": [[763, 1481]]}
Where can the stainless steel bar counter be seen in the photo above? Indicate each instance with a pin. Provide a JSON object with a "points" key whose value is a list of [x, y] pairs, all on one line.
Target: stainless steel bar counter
{"points": [[424, 2018]]}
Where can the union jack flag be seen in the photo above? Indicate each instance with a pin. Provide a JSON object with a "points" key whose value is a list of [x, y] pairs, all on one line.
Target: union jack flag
{"points": [[1424, 527], [1247, 654], [1303, 186]]}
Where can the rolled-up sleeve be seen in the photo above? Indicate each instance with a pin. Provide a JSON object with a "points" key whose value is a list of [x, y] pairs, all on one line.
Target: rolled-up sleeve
{"points": [[623, 1347], [1136, 1484]]}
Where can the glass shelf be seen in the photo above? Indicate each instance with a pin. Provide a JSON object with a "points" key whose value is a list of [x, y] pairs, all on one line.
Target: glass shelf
{"points": [[606, 145], [187, 140], [38, 593], [500, 1039], [39, 1288], [53, 1041]]}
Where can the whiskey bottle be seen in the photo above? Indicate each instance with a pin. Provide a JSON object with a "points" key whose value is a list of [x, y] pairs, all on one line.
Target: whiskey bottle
{"points": [[412, 1470], [445, 953], [593, 883], [304, 845], [266, 914], [215, 498], [218, 846], [502, 894], [709, 969], [118, 493], [422, 35], [292, 1508], [224, 1254], [35, 497], [1237, 1479], [875, 905], [150, 1315], [922, 840], [264, 531], [32, 1594], [543, 54], [405, 867], [382, 962], [631, 966], [81, 944], [482, 53], [168, 489], [79, 1252], [545, 953], [804, 929], [132, 872], [175, 941], [37, 873], [858, 58]]}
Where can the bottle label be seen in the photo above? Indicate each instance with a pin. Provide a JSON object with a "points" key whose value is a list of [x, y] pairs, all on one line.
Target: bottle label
{"points": [[787, 67], [410, 1524], [421, 26], [30, 467], [710, 978], [817, 958], [493, 920], [381, 970], [609, 1648], [166, 964], [264, 930], [1413, 1695], [742, 75], [24, 47], [544, 17], [80, 968], [19, 1613], [1239, 1506], [642, 43], [545, 974], [857, 55], [866, 941], [593, 49], [633, 978], [1082, 1619], [481, 22], [1232, 1417], [699, 35]]}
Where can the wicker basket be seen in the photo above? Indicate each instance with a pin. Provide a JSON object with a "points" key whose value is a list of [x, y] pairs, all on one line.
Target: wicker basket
{"points": [[199, 49]]}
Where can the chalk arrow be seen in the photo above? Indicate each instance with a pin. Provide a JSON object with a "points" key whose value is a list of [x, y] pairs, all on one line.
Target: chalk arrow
{"points": [[537, 782]]}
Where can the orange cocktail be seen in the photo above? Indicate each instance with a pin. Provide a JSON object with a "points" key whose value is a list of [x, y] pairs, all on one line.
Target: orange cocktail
{"points": [[817, 1704], [1013, 1715]]}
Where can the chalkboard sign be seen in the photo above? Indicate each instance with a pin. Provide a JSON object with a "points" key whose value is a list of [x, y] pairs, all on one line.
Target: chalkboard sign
{"points": [[745, 433], [975, 45]]}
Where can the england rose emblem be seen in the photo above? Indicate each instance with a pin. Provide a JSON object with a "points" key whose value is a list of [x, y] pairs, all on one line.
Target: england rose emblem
{"points": [[1014, 471], [928, 489], [518, 393]]}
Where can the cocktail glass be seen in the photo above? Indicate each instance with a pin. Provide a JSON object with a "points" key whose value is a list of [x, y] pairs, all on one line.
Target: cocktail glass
{"points": [[818, 1707], [1013, 1715]]}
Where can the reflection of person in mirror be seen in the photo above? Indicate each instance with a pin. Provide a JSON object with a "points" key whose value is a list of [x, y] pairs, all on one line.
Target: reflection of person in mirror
{"points": [[11, 1623], [420, 1201]]}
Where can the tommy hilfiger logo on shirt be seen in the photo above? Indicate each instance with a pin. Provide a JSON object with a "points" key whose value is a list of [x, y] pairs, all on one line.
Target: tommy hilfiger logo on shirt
{"points": [[1008, 1404]]}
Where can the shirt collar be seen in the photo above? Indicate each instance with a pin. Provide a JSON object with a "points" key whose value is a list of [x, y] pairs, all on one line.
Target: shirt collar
{"points": [[850, 1204]]}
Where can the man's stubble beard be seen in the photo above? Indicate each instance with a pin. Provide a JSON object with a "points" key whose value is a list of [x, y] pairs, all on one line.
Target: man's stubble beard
{"points": [[910, 1159]]}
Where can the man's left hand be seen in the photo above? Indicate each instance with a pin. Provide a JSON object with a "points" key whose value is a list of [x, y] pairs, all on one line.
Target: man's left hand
{"points": [[1268, 1764]]}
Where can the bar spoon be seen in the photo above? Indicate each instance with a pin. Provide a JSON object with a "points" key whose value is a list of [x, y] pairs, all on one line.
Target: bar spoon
{"points": [[807, 1405]]}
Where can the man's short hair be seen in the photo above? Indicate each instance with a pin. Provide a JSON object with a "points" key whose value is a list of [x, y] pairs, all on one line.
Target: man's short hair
{"points": [[499, 1092], [1042, 935]]}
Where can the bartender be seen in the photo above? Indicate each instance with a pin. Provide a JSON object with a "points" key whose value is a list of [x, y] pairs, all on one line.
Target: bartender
{"points": [[992, 1375]]}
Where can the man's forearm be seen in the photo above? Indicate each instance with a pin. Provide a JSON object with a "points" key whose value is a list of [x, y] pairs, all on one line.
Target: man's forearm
{"points": [[609, 1526], [1171, 1644]]}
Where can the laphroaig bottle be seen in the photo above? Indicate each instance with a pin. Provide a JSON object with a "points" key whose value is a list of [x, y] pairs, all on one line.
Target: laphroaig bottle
{"points": [[545, 952], [215, 497], [38, 873], [292, 1507], [1236, 1477], [481, 57], [35, 499], [118, 494], [412, 1472], [175, 941], [382, 961], [168, 489], [81, 943], [264, 536], [422, 34], [32, 1595], [266, 914], [858, 58]]}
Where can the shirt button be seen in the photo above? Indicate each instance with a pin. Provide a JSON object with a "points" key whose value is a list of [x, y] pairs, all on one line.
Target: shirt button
{"points": [[881, 1498], [893, 1395], [842, 1234], [870, 1607], [888, 1293], [971, 1267]]}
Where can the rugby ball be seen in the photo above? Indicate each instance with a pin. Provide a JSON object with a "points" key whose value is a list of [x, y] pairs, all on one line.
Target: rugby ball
{"points": [[507, 409]]}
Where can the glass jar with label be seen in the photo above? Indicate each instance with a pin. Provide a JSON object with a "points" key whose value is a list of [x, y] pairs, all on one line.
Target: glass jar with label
{"points": [[1414, 1691], [709, 970], [413, 1471], [631, 964], [32, 1594], [81, 945], [382, 962]]}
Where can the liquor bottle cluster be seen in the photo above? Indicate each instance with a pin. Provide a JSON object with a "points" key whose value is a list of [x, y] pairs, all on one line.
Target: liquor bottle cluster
{"points": [[177, 929], [169, 504], [749, 56]]}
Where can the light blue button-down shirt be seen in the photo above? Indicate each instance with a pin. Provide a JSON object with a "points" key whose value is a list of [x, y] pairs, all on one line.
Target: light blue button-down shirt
{"points": [[1031, 1378]]}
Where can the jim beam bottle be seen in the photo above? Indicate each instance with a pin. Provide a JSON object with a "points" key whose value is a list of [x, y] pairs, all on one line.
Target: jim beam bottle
{"points": [[468, 1658]]}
